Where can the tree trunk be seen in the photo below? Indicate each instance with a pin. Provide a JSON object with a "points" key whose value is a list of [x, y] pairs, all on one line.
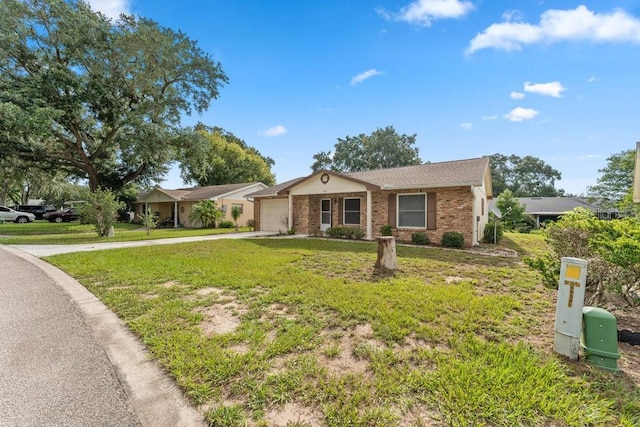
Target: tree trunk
{"points": [[386, 254]]}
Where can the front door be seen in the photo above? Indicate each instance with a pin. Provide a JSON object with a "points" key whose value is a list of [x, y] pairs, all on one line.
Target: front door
{"points": [[325, 214]]}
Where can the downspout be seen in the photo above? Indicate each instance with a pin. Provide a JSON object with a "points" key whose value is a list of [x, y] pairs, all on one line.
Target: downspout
{"points": [[369, 216], [290, 218], [474, 220]]}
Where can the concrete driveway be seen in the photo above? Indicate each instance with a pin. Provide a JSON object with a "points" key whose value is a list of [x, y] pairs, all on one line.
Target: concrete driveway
{"points": [[46, 250]]}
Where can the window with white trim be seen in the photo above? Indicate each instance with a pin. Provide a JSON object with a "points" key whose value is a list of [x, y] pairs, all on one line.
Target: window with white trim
{"points": [[412, 210], [351, 211]]}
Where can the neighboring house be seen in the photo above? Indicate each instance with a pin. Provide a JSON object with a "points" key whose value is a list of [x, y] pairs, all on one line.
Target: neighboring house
{"points": [[432, 198], [552, 208], [166, 203]]}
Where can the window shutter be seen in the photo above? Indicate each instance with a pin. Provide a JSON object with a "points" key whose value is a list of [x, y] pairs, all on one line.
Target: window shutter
{"points": [[392, 210], [431, 211], [340, 211]]}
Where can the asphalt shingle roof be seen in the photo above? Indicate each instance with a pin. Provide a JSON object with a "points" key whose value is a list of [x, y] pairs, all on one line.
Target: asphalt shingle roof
{"points": [[442, 174], [553, 205], [211, 191], [427, 175], [273, 190], [200, 193]]}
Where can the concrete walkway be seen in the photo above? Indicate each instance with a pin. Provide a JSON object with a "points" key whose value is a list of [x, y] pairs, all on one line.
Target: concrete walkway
{"points": [[66, 359], [46, 250]]}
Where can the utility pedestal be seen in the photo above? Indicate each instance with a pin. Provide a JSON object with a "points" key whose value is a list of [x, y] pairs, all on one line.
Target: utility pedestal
{"points": [[600, 338], [568, 327]]}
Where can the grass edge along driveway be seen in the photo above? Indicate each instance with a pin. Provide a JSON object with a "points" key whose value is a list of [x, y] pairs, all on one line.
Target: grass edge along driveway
{"points": [[302, 332]]}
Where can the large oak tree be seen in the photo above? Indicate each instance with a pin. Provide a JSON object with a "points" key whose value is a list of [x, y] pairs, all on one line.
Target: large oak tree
{"points": [[526, 176], [99, 99], [616, 179], [214, 156], [384, 148]]}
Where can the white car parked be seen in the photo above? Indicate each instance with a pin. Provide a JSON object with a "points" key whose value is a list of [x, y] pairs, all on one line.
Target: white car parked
{"points": [[8, 214]]}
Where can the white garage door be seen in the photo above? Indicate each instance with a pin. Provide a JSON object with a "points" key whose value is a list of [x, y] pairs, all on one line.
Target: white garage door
{"points": [[271, 213]]}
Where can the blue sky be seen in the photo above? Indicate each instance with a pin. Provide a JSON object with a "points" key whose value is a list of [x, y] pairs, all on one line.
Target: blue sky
{"points": [[559, 80]]}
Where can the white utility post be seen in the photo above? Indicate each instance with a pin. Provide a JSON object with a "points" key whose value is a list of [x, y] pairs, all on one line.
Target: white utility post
{"points": [[573, 278]]}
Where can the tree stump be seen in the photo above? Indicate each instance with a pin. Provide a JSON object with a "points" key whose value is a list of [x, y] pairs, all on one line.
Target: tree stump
{"points": [[386, 254]]}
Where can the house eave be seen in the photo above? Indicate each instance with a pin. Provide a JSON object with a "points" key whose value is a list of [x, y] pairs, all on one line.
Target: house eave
{"points": [[418, 186]]}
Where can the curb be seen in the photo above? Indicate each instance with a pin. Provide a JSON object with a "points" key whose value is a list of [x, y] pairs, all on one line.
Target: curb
{"points": [[154, 396]]}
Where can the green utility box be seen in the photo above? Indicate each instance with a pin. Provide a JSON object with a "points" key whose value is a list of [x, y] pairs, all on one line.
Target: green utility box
{"points": [[600, 338]]}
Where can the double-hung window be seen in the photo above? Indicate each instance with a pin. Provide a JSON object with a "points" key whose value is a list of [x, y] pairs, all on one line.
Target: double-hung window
{"points": [[412, 210], [351, 211]]}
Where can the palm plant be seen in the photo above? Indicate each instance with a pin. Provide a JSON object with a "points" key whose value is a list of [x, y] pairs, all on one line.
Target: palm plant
{"points": [[205, 212], [235, 214]]}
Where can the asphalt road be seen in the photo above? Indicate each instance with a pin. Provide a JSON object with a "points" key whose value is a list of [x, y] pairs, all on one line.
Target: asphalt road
{"points": [[67, 360], [52, 370]]}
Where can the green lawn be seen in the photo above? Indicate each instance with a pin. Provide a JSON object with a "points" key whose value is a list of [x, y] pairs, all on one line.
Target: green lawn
{"points": [[67, 233], [304, 332]]}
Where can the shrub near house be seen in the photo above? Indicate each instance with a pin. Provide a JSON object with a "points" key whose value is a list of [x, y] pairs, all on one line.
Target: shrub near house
{"points": [[613, 250]]}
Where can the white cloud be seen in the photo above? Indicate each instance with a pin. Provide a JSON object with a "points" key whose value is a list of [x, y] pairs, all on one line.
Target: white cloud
{"points": [[554, 89], [489, 118], [590, 156], [592, 79], [275, 131], [520, 114], [364, 76], [517, 95], [466, 126], [512, 15], [424, 12], [560, 25], [110, 8]]}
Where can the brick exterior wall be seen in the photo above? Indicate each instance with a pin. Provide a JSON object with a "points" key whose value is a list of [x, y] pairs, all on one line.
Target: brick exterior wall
{"points": [[301, 218], [256, 214], [454, 212]]}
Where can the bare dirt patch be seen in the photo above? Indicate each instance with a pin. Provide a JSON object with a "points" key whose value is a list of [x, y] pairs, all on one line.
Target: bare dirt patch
{"points": [[170, 284], [279, 311], [208, 291], [338, 355], [419, 416], [221, 319], [293, 413], [240, 348], [344, 362]]}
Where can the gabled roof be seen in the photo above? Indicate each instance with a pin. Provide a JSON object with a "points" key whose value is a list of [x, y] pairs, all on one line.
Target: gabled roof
{"points": [[214, 191], [428, 175], [275, 189], [200, 193], [553, 205]]}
